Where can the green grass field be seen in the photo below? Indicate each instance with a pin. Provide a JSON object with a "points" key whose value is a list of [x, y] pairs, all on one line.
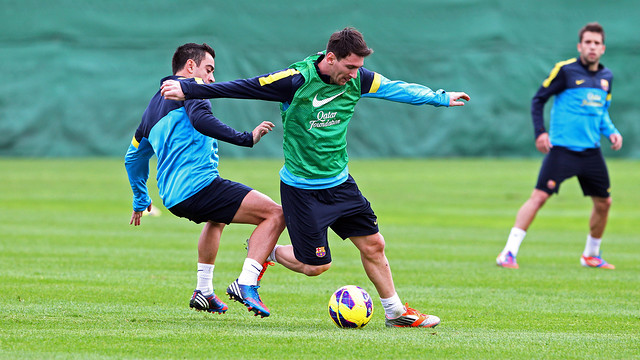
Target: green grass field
{"points": [[76, 281]]}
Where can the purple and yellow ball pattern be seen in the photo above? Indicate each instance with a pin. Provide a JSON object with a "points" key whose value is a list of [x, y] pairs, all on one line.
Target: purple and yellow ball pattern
{"points": [[350, 307]]}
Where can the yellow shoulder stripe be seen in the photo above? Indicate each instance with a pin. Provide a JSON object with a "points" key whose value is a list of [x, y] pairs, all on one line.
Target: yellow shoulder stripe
{"points": [[266, 80], [198, 80], [135, 142], [375, 85], [555, 70]]}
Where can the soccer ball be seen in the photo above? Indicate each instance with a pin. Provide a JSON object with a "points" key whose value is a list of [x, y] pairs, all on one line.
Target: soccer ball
{"points": [[350, 307]]}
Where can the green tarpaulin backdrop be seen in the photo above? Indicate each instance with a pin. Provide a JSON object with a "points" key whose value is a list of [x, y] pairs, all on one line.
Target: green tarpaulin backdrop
{"points": [[77, 75]]}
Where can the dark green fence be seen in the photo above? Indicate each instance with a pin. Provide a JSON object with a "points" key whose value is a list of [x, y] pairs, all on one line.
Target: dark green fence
{"points": [[78, 74]]}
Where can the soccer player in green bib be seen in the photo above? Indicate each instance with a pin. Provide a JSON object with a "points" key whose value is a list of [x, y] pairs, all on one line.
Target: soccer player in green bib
{"points": [[318, 96]]}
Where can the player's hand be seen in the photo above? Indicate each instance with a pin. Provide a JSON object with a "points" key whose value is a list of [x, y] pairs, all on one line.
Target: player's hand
{"points": [[455, 96], [137, 215], [171, 90], [543, 144], [616, 141], [261, 130]]}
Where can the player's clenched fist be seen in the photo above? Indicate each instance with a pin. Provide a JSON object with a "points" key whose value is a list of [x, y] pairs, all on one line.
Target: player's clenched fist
{"points": [[171, 90]]}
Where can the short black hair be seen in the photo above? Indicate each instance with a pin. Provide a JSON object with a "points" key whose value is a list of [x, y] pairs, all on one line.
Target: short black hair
{"points": [[591, 27], [348, 41], [193, 51]]}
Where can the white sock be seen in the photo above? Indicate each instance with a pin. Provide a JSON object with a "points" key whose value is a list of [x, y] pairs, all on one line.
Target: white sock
{"points": [[592, 248], [393, 306], [250, 272], [272, 256], [205, 278], [513, 242]]}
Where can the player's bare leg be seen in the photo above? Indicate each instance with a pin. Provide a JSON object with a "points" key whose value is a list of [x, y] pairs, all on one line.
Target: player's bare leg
{"points": [[599, 216], [260, 210], [530, 208], [203, 298], [597, 222], [377, 267], [209, 242], [375, 263], [524, 218], [284, 256]]}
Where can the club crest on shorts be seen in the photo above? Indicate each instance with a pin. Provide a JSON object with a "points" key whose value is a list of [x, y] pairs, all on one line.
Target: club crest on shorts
{"points": [[551, 184], [320, 252]]}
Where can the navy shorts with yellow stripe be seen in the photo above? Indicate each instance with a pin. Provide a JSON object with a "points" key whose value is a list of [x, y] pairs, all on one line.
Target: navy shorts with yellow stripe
{"points": [[219, 201], [309, 213], [588, 165]]}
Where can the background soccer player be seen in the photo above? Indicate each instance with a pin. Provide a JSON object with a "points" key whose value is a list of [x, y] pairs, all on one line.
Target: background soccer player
{"points": [[183, 136], [318, 96], [582, 89]]}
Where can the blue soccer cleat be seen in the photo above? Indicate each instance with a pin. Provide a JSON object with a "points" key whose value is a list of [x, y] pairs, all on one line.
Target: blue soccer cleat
{"points": [[248, 295], [507, 260], [209, 303]]}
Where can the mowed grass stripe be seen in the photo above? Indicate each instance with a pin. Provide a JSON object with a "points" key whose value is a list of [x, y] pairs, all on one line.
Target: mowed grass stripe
{"points": [[76, 281]]}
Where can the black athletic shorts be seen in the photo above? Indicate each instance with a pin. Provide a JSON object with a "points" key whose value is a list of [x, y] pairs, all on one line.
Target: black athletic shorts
{"points": [[588, 165], [308, 214], [218, 201]]}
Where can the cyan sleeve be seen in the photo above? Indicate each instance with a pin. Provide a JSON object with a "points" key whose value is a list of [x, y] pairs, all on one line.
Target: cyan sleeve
{"points": [[136, 161], [400, 91], [606, 125]]}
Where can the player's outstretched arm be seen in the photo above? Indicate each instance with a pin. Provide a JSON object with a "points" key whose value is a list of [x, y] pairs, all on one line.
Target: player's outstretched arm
{"points": [[455, 96], [261, 130], [171, 90]]}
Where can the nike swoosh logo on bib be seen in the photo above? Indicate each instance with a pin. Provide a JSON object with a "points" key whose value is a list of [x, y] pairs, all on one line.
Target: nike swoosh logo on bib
{"points": [[317, 103]]}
